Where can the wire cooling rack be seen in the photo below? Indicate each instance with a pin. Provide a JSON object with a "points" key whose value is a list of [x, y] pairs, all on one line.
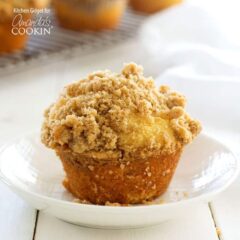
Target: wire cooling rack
{"points": [[61, 43]]}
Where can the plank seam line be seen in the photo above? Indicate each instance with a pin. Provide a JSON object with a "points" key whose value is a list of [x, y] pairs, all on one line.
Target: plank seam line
{"points": [[35, 225], [220, 237]]}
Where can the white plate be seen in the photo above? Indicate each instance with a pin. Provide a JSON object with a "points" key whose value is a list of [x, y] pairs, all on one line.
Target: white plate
{"points": [[32, 171]]}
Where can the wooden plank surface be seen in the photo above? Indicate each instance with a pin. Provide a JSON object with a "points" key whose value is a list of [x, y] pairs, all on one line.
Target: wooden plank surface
{"points": [[21, 102], [17, 218], [226, 211], [226, 206], [197, 225]]}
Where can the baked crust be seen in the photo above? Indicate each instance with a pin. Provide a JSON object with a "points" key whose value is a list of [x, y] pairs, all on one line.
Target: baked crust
{"points": [[114, 181]]}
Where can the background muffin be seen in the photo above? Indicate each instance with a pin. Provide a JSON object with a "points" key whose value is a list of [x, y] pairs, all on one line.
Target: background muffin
{"points": [[41, 3], [118, 136], [151, 6], [9, 41], [89, 14]]}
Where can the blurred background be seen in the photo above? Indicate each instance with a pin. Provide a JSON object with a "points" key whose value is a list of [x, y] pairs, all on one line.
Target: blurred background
{"points": [[62, 29]]}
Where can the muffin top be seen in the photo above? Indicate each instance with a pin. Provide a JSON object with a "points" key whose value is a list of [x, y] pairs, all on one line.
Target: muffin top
{"points": [[118, 115]]}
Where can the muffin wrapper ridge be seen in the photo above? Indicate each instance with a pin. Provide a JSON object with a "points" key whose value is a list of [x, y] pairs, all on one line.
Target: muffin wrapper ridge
{"points": [[128, 182]]}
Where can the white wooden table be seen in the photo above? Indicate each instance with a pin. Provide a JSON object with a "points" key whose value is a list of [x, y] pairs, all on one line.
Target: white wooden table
{"points": [[23, 97]]}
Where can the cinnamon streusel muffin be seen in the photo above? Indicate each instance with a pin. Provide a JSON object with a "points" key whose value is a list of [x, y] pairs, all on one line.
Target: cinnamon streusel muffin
{"points": [[89, 14], [118, 136]]}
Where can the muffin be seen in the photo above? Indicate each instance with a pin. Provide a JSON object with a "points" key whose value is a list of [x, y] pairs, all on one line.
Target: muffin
{"points": [[11, 42], [41, 3], [89, 14], [151, 6], [118, 136]]}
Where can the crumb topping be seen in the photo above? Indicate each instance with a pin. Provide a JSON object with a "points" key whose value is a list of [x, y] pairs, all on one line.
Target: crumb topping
{"points": [[119, 114]]}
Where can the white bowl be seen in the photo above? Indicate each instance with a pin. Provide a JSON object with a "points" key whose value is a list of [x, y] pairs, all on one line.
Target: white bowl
{"points": [[34, 172]]}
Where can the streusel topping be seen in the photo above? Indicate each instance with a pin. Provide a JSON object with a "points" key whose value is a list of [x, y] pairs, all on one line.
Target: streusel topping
{"points": [[120, 114]]}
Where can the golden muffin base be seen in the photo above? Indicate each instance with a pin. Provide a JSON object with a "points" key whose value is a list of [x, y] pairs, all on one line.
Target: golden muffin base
{"points": [[106, 16], [151, 6], [127, 182], [10, 42]]}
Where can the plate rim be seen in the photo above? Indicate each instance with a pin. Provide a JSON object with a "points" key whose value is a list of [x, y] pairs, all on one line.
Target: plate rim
{"points": [[93, 207]]}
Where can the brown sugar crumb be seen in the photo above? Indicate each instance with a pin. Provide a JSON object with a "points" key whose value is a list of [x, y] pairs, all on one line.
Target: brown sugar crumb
{"points": [[154, 186], [149, 174], [76, 200], [164, 173], [91, 168], [123, 114], [186, 194], [161, 201], [116, 204], [146, 202], [156, 202], [122, 166], [219, 232]]}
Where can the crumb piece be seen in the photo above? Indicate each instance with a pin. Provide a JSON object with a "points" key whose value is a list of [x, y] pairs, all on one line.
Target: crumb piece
{"points": [[113, 204], [150, 202], [122, 166], [132, 69], [219, 232], [176, 112], [91, 168], [164, 173], [147, 202], [76, 200], [130, 177], [168, 171], [164, 89], [185, 194], [161, 201]]}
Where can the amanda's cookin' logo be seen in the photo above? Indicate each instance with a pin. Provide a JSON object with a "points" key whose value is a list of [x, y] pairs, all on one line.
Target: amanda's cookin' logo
{"points": [[22, 24]]}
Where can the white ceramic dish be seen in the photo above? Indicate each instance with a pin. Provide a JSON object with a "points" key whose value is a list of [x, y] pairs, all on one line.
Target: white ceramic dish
{"points": [[32, 171]]}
